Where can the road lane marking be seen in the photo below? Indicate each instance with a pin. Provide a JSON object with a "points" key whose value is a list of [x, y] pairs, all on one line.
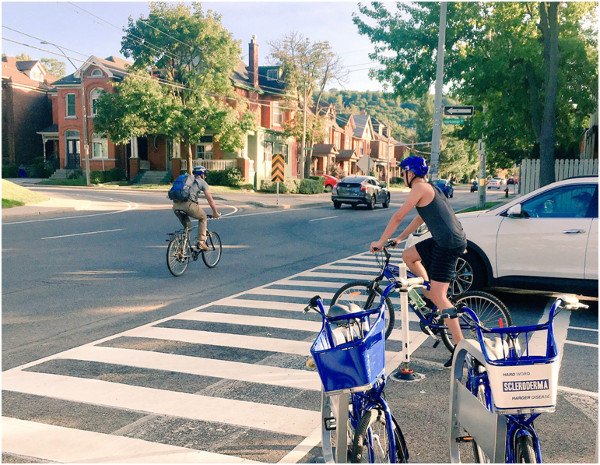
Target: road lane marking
{"points": [[84, 234], [287, 420], [578, 391], [321, 219], [63, 445], [584, 344]]}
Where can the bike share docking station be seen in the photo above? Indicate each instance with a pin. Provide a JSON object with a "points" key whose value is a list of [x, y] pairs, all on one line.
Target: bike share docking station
{"points": [[467, 412], [405, 372]]}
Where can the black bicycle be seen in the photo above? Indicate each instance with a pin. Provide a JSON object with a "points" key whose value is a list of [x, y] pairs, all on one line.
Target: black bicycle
{"points": [[181, 249]]}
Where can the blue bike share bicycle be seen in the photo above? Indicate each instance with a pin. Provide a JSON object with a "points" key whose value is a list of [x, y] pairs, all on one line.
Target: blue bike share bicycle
{"points": [[501, 383], [368, 294], [349, 353]]}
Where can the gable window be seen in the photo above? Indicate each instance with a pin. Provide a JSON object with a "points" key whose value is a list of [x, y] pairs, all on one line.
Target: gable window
{"points": [[277, 115], [272, 74], [97, 73], [99, 146], [94, 96], [204, 150], [71, 113]]}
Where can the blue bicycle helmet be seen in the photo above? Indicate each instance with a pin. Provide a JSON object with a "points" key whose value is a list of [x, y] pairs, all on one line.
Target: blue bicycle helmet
{"points": [[417, 165], [199, 170]]}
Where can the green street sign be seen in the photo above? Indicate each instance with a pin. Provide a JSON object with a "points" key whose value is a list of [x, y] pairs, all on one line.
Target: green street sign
{"points": [[454, 121]]}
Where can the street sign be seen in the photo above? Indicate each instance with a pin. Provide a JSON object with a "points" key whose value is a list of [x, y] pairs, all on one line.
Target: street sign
{"points": [[454, 121], [277, 168], [363, 163], [458, 110]]}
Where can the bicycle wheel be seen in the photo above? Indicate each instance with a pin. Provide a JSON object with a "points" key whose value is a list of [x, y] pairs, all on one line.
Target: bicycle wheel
{"points": [[489, 309], [357, 292], [524, 451], [212, 256], [372, 439], [483, 395], [177, 257]]}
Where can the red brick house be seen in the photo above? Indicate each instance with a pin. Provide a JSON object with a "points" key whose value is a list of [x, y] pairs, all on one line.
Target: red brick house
{"points": [[26, 109]]}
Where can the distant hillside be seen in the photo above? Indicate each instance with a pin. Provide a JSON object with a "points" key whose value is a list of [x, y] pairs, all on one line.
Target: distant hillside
{"points": [[399, 115]]}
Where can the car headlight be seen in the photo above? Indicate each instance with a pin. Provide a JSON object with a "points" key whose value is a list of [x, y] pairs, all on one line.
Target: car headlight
{"points": [[423, 229]]}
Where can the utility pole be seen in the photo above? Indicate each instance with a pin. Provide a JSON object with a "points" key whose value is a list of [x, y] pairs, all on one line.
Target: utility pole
{"points": [[303, 154], [439, 82]]}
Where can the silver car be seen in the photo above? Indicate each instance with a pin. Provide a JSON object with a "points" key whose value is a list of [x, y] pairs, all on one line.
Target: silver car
{"points": [[360, 190]]}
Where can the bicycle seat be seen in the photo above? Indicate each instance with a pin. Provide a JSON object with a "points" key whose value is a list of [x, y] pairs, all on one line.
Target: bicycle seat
{"points": [[340, 310]]}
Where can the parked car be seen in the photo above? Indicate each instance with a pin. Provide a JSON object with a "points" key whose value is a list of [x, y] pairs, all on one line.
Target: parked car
{"points": [[496, 182], [355, 190], [546, 240], [446, 187], [474, 186], [330, 181], [512, 180]]}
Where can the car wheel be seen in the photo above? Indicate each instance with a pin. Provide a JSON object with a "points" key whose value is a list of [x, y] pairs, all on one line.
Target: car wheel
{"points": [[371, 204], [386, 202], [470, 273], [328, 188], [336, 204]]}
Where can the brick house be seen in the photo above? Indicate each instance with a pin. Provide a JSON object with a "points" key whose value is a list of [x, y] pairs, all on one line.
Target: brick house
{"points": [[383, 151], [26, 109]]}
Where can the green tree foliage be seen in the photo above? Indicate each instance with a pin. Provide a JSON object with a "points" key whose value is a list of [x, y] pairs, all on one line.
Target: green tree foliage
{"points": [[194, 55], [55, 67], [534, 66]]}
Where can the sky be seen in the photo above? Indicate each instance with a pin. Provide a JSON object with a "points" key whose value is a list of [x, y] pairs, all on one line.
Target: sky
{"points": [[82, 29]]}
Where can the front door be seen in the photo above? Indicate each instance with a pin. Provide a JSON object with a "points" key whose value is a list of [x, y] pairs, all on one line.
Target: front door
{"points": [[73, 161]]}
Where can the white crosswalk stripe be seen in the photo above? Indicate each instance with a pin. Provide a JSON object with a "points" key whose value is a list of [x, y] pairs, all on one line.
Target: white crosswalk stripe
{"points": [[286, 297]]}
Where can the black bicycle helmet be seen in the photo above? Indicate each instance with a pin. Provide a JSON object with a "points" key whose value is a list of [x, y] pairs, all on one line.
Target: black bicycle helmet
{"points": [[199, 170], [417, 165]]}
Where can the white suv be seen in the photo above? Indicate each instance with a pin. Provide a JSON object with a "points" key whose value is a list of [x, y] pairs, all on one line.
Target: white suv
{"points": [[547, 240]]}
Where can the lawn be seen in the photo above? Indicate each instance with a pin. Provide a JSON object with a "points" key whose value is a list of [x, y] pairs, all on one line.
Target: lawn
{"points": [[14, 195]]}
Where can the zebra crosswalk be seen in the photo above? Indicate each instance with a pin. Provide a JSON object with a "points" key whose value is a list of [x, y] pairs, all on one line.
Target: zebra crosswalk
{"points": [[224, 382]]}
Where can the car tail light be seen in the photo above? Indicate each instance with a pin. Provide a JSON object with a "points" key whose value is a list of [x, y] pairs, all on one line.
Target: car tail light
{"points": [[363, 188]]}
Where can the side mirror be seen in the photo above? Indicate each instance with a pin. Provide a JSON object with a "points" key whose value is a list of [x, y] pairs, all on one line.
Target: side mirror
{"points": [[515, 211]]}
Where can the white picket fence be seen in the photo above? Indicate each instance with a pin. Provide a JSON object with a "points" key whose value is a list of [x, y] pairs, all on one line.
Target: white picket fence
{"points": [[530, 172]]}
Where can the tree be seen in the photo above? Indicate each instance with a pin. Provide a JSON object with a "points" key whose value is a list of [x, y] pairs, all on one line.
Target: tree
{"points": [[504, 56], [194, 56], [307, 69], [55, 67]]}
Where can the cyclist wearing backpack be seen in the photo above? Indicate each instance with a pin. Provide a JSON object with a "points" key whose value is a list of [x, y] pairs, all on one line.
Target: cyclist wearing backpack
{"points": [[433, 259], [185, 194]]}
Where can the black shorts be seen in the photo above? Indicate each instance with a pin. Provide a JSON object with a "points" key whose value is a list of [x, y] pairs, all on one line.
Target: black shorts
{"points": [[440, 262]]}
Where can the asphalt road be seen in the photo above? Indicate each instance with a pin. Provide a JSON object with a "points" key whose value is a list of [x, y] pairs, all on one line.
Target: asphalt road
{"points": [[227, 377]]}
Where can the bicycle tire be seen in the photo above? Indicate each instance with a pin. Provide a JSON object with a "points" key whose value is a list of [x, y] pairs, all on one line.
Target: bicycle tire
{"points": [[488, 308], [358, 292], [483, 397], [212, 256], [372, 440], [177, 258], [524, 451]]}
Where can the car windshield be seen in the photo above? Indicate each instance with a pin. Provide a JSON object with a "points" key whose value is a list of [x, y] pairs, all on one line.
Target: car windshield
{"points": [[354, 179]]}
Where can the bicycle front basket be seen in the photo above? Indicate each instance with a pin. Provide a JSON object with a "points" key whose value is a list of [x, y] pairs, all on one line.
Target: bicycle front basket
{"points": [[525, 382], [353, 365]]}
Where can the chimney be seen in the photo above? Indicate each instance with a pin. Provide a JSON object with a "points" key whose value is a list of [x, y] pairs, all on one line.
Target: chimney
{"points": [[253, 62]]}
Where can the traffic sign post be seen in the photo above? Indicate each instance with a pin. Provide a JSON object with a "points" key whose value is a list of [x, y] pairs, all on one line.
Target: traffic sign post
{"points": [[364, 163], [277, 171]]}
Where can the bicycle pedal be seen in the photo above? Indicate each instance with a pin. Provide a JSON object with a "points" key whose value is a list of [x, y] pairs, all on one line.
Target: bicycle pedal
{"points": [[436, 343], [464, 439], [330, 423]]}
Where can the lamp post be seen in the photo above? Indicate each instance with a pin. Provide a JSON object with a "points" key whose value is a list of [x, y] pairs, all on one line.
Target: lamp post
{"points": [[86, 147]]}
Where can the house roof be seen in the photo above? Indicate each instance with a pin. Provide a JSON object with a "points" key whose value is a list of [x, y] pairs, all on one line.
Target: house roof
{"points": [[342, 119], [347, 154], [17, 72], [267, 85], [324, 149], [361, 125], [53, 129], [114, 67]]}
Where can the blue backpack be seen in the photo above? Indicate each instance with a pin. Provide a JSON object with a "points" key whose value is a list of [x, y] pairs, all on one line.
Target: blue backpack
{"points": [[184, 188]]}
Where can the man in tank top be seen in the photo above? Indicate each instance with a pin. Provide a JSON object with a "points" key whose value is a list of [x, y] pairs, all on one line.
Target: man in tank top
{"points": [[435, 258]]}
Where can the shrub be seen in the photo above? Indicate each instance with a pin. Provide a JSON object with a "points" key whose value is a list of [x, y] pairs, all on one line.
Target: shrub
{"points": [[10, 170], [231, 177], [96, 177], [311, 186]]}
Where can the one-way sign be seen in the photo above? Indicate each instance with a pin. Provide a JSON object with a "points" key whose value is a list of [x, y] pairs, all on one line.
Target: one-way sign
{"points": [[455, 110]]}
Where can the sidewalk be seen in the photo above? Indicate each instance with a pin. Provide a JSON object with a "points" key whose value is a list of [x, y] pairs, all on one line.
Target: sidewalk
{"points": [[59, 203]]}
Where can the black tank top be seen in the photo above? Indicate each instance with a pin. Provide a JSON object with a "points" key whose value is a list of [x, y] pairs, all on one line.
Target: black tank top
{"points": [[439, 217]]}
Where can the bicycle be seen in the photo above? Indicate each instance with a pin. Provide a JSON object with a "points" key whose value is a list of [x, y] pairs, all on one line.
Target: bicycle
{"points": [[367, 293], [181, 249], [349, 353], [513, 377]]}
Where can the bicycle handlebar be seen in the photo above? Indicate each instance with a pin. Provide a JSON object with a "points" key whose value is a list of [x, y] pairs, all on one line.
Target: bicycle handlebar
{"points": [[210, 217]]}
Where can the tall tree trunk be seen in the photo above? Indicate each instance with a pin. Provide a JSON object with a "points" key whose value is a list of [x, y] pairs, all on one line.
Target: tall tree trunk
{"points": [[549, 28], [189, 157]]}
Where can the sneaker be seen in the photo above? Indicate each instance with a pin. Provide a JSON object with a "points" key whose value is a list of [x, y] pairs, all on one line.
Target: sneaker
{"points": [[202, 245], [448, 364]]}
